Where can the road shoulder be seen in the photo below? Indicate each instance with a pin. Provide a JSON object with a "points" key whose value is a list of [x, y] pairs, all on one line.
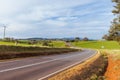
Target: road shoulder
{"points": [[82, 71]]}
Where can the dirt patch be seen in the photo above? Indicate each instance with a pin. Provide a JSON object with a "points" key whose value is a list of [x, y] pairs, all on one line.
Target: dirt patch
{"points": [[113, 70], [92, 69]]}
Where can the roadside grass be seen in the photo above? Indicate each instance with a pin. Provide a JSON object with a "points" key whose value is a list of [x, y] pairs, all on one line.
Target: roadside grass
{"points": [[91, 69], [113, 69], [115, 53], [9, 52], [97, 44]]}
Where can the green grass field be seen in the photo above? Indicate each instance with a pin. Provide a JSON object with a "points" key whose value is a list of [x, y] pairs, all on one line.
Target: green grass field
{"points": [[12, 43], [97, 44], [90, 44], [6, 43], [23, 43], [58, 43], [81, 44]]}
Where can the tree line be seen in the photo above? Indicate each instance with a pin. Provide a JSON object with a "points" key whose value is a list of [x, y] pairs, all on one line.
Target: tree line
{"points": [[114, 32]]}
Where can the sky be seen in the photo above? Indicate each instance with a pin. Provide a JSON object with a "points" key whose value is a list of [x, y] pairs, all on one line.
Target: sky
{"points": [[55, 18]]}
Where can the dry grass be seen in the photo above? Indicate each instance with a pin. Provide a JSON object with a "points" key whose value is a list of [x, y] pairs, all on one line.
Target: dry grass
{"points": [[84, 71], [113, 70], [9, 52]]}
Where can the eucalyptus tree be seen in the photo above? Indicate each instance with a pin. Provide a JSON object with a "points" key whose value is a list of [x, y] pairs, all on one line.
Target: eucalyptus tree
{"points": [[114, 32]]}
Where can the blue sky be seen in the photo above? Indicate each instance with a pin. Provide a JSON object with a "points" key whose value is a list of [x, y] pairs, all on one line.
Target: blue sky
{"points": [[55, 18]]}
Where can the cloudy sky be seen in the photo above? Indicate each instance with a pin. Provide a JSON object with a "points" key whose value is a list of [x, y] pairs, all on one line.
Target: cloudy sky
{"points": [[55, 18]]}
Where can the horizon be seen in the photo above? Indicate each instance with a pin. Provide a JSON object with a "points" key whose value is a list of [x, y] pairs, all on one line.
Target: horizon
{"points": [[51, 38]]}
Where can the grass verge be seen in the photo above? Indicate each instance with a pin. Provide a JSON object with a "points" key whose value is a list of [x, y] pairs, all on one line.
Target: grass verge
{"points": [[9, 52], [113, 69], [92, 69]]}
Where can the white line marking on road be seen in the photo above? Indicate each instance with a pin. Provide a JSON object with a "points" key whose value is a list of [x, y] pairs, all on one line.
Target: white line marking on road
{"points": [[13, 61], [35, 64], [65, 68], [10, 61]]}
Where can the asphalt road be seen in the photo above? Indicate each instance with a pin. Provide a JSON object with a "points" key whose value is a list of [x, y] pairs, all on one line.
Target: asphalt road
{"points": [[39, 68]]}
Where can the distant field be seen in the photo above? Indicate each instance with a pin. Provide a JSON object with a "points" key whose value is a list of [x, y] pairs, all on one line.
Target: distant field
{"points": [[58, 43], [6, 43], [90, 44], [97, 44], [81, 44], [13, 43]]}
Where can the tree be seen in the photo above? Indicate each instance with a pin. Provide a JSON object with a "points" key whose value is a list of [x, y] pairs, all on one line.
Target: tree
{"points": [[106, 37], [77, 39], [85, 39], [45, 43], [115, 27]]}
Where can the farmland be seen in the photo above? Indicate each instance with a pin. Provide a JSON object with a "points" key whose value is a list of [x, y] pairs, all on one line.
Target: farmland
{"points": [[61, 44], [97, 44], [90, 44]]}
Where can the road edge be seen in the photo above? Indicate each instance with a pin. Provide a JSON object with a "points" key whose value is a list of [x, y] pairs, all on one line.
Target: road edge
{"points": [[69, 67]]}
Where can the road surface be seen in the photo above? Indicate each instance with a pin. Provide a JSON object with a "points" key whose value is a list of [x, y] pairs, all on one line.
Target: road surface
{"points": [[39, 68]]}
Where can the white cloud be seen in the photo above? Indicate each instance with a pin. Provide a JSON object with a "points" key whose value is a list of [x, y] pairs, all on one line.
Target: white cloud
{"points": [[38, 17], [55, 23]]}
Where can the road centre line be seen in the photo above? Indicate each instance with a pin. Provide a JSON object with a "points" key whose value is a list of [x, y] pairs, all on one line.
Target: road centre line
{"points": [[6, 70]]}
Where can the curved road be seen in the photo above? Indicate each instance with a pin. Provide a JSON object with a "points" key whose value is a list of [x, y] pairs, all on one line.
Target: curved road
{"points": [[39, 68]]}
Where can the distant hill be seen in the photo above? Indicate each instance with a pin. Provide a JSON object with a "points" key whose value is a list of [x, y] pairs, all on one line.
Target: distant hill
{"points": [[72, 38], [49, 39]]}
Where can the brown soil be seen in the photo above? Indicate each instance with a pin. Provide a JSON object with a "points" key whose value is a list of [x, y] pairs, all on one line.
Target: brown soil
{"points": [[113, 70]]}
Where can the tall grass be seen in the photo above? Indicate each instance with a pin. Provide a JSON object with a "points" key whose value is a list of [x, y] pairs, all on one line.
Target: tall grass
{"points": [[7, 52]]}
